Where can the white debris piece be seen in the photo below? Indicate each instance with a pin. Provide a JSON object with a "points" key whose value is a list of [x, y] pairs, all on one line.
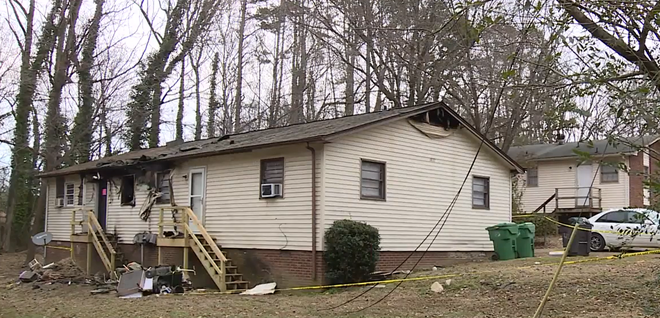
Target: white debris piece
{"points": [[437, 287], [435, 268], [448, 282], [262, 289]]}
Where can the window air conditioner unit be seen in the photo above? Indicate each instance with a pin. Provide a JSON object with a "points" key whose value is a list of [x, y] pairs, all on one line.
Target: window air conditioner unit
{"points": [[60, 202], [271, 190]]}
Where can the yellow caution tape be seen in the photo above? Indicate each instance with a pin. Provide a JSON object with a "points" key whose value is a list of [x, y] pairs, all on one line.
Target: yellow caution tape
{"points": [[59, 247], [422, 278], [622, 232]]}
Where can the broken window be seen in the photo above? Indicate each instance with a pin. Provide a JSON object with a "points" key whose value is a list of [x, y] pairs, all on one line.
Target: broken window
{"points": [[81, 193], [128, 190], [480, 193], [69, 195], [608, 173], [163, 187], [372, 180], [59, 188]]}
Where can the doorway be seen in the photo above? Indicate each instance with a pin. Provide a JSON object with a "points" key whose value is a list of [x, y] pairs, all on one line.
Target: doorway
{"points": [[196, 186], [584, 178], [102, 203]]}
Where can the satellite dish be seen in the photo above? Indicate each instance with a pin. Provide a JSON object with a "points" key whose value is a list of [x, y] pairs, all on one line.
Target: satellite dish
{"points": [[41, 239]]}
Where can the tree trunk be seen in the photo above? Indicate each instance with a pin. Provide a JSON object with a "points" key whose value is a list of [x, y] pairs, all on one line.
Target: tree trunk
{"points": [[213, 100], [349, 107], [179, 113], [81, 135], [20, 181], [55, 129], [273, 109], [198, 94], [238, 99]]}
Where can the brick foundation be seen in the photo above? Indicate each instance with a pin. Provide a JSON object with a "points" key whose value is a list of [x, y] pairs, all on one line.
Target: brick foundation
{"points": [[287, 268]]}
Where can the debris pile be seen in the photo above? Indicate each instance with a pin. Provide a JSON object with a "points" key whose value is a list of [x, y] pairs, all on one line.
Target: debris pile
{"points": [[63, 272], [136, 281]]}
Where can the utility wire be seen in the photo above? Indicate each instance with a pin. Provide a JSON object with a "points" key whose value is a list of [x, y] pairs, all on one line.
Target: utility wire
{"points": [[447, 213], [451, 205], [448, 210]]}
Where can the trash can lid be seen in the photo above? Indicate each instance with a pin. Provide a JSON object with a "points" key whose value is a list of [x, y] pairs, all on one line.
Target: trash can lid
{"points": [[501, 225], [528, 225]]}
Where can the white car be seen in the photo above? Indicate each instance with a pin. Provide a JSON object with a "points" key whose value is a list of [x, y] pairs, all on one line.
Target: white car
{"points": [[625, 228]]}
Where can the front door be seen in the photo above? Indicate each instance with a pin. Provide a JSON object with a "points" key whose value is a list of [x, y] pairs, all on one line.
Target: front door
{"points": [[584, 178], [197, 185], [102, 203]]}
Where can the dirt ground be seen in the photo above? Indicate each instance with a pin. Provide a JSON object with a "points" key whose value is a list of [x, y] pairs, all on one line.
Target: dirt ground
{"points": [[628, 287]]}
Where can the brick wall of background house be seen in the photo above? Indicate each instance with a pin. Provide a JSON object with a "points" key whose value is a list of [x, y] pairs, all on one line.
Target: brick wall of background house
{"points": [[653, 169], [636, 180], [287, 268]]}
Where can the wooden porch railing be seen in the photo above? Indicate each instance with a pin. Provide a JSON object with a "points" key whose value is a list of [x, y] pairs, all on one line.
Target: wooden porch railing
{"points": [[93, 228], [215, 267], [592, 199], [94, 231]]}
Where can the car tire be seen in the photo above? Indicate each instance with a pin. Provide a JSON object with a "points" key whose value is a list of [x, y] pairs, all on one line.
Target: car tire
{"points": [[597, 243]]}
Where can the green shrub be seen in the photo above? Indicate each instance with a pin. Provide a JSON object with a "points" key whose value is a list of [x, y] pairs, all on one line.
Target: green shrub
{"points": [[543, 225], [352, 251]]}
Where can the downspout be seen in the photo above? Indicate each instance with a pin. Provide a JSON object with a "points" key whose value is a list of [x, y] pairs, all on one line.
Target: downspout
{"points": [[313, 151]]}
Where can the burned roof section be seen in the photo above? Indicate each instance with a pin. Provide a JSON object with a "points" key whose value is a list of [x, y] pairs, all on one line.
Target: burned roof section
{"points": [[305, 132]]}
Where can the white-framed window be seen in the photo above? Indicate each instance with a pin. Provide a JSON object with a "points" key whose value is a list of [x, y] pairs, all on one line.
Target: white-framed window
{"points": [[372, 180], [609, 173], [69, 194], [480, 192], [533, 177]]}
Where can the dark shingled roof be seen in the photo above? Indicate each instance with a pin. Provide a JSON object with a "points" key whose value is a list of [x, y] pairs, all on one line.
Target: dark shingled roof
{"points": [[297, 133], [567, 150]]}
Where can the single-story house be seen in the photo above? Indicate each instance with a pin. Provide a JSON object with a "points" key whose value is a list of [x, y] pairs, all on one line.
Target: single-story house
{"points": [[263, 199], [573, 178]]}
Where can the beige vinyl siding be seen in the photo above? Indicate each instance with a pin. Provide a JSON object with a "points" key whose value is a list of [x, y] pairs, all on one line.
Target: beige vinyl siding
{"points": [[615, 195], [58, 221], [233, 210], [125, 220], [422, 177], [562, 174], [551, 175]]}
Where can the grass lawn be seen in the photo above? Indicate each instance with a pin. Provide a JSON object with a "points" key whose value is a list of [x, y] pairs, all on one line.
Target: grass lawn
{"points": [[617, 288]]}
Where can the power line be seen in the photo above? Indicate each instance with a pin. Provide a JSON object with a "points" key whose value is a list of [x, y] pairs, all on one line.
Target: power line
{"points": [[449, 208], [447, 212]]}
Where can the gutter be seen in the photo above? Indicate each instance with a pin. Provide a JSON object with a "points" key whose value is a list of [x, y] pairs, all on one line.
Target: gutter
{"points": [[313, 151]]}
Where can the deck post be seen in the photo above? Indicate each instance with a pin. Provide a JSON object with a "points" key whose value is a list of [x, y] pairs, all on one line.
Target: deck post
{"points": [[73, 231], [160, 234], [186, 242], [89, 249]]}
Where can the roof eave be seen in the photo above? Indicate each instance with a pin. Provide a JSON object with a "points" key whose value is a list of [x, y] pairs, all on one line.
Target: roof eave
{"points": [[576, 157]]}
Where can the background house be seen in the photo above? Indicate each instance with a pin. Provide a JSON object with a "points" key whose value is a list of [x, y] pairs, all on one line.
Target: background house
{"points": [[558, 177], [267, 196]]}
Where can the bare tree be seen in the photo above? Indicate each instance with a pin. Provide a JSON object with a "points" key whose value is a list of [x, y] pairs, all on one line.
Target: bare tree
{"points": [[175, 44], [213, 100]]}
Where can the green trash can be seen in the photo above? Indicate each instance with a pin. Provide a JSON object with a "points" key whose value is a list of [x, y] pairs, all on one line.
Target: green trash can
{"points": [[525, 240], [504, 237]]}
